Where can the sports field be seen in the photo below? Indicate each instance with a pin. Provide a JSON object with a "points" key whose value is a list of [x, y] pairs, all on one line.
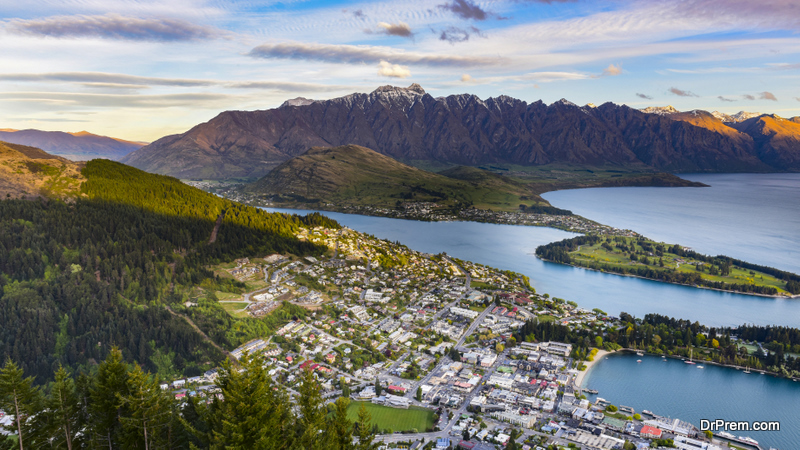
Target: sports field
{"points": [[397, 419]]}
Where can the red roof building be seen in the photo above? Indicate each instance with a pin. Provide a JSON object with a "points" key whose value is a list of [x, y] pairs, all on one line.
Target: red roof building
{"points": [[650, 432]]}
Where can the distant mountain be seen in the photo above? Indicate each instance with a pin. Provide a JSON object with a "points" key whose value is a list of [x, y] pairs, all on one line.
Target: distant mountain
{"points": [[31, 172], [410, 125], [735, 118], [80, 146], [354, 175]]}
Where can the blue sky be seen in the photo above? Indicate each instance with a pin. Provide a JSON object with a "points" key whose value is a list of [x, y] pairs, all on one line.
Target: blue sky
{"points": [[143, 69]]}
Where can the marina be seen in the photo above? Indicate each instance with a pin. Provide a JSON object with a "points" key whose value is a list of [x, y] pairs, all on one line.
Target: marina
{"points": [[672, 389]]}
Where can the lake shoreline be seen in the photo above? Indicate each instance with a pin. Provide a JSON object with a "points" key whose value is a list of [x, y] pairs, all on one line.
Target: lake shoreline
{"points": [[589, 364], [784, 297]]}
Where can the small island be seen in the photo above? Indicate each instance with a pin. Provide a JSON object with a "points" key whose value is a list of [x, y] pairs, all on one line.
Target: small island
{"points": [[641, 257]]}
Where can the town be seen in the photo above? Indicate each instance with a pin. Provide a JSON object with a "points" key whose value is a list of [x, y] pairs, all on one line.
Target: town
{"points": [[426, 341]]}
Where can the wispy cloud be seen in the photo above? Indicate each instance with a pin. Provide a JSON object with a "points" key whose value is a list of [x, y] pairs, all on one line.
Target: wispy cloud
{"points": [[114, 26], [109, 78], [395, 29], [356, 54], [767, 96], [682, 93], [748, 97], [466, 78], [386, 69], [454, 34], [465, 9], [724, 99], [119, 101], [289, 86], [644, 96]]}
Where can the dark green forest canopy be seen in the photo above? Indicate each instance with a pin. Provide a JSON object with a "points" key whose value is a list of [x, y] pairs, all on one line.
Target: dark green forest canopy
{"points": [[79, 277]]}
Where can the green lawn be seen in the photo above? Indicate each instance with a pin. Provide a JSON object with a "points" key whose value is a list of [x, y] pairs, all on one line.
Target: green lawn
{"points": [[232, 308], [394, 418]]}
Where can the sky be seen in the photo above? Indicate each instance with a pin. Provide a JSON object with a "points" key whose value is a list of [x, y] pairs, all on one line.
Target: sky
{"points": [[144, 69]]}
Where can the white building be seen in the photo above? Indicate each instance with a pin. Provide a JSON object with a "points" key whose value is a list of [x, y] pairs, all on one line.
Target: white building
{"points": [[463, 312]]}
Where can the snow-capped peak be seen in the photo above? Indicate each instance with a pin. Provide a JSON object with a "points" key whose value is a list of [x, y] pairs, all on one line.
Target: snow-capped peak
{"points": [[299, 101], [660, 110]]}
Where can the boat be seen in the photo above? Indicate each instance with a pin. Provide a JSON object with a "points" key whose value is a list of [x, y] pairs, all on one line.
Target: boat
{"points": [[726, 435], [748, 440], [590, 391], [638, 360], [746, 370], [649, 413], [690, 359], [639, 354], [700, 367]]}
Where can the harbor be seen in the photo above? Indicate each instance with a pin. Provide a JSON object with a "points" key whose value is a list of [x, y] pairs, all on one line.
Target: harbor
{"points": [[666, 388]]}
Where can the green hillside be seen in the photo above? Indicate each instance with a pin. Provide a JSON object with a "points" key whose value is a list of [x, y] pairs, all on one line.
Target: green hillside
{"points": [[115, 266], [354, 175]]}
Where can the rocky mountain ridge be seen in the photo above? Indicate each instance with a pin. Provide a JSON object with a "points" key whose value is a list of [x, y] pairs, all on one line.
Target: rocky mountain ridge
{"points": [[412, 126]]}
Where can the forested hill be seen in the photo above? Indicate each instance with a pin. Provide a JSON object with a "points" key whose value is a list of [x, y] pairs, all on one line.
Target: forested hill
{"points": [[79, 277]]}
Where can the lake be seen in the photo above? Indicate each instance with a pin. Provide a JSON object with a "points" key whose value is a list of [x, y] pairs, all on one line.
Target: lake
{"points": [[673, 389], [754, 217]]}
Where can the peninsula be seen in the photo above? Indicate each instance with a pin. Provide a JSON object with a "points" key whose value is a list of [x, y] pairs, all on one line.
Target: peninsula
{"points": [[641, 257]]}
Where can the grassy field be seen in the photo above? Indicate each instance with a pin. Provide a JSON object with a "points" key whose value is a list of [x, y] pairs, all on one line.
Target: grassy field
{"points": [[234, 309], [598, 254], [397, 419]]}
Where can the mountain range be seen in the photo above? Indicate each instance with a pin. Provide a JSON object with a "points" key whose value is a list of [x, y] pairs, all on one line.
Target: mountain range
{"points": [[412, 126], [80, 146]]}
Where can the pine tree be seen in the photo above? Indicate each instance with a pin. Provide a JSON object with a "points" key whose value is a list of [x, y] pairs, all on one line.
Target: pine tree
{"points": [[19, 397], [312, 413], [366, 433], [146, 411], [61, 416], [254, 415], [105, 407], [339, 432]]}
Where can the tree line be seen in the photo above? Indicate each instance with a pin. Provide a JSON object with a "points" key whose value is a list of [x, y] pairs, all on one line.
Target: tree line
{"points": [[123, 406], [662, 334]]}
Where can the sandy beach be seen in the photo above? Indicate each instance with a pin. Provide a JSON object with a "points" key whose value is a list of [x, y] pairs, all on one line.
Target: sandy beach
{"points": [[579, 378]]}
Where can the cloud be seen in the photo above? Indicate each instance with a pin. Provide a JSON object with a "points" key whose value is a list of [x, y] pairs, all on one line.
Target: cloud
{"points": [[206, 100], [644, 96], [359, 14], [725, 99], [396, 29], [105, 78], [767, 96], [387, 69], [612, 70], [682, 93], [454, 35], [114, 26], [465, 9], [797, 98], [748, 97], [357, 54], [466, 78], [289, 86]]}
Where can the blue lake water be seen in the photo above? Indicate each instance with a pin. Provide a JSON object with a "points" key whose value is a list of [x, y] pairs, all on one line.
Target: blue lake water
{"points": [[677, 390], [754, 217]]}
